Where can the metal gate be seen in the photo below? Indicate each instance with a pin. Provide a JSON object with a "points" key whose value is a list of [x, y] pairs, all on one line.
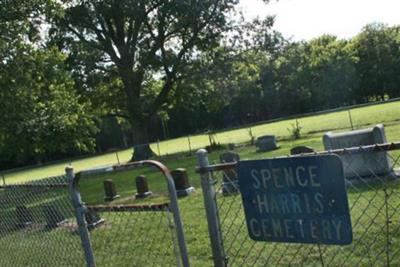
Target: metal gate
{"points": [[374, 205], [129, 234]]}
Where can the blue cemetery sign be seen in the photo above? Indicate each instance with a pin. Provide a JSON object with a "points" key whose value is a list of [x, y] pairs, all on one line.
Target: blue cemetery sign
{"points": [[296, 200]]}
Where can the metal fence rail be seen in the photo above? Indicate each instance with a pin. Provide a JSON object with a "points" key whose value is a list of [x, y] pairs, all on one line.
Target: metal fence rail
{"points": [[374, 202], [38, 226]]}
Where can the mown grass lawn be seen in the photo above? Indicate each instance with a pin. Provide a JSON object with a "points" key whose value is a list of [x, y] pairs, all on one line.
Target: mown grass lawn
{"points": [[126, 238], [313, 127], [369, 211]]}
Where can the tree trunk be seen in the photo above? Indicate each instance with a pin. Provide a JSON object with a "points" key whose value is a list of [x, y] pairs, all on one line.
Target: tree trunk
{"points": [[141, 146], [139, 122]]}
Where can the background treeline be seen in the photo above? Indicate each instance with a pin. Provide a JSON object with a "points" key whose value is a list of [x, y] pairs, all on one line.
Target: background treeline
{"points": [[57, 101], [297, 77]]}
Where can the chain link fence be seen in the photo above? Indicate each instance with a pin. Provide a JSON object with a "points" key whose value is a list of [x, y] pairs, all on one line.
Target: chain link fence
{"points": [[134, 234], [38, 225], [46, 223], [373, 190], [66, 220], [121, 230]]}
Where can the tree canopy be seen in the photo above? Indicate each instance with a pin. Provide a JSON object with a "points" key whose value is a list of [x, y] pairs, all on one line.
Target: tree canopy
{"points": [[42, 117], [141, 40], [76, 74]]}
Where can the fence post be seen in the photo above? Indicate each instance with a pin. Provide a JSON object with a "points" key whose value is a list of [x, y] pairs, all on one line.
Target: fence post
{"points": [[190, 145], [209, 194], [350, 119], [158, 147], [116, 154], [79, 209]]}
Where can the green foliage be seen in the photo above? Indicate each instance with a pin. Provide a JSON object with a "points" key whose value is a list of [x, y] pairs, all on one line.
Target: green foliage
{"points": [[295, 130], [41, 114], [377, 48], [235, 86], [212, 138], [135, 41], [21, 20], [251, 136], [189, 65]]}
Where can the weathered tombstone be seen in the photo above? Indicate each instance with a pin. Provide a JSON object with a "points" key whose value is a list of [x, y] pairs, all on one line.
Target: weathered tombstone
{"points": [[181, 181], [297, 150], [365, 164], [266, 143], [142, 187], [24, 216], [231, 146], [53, 216], [110, 190], [93, 219], [230, 180]]}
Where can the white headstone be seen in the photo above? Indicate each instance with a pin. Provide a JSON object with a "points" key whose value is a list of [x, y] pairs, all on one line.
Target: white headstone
{"points": [[366, 164]]}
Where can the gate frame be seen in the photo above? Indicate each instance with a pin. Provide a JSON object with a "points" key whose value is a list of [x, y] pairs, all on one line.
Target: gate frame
{"points": [[80, 208]]}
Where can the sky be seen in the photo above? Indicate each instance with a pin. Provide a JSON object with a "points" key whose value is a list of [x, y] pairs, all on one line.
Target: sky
{"points": [[307, 19]]}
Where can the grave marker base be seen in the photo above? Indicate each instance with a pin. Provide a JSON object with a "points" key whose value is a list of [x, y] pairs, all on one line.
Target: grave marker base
{"points": [[143, 195], [185, 192], [111, 198]]}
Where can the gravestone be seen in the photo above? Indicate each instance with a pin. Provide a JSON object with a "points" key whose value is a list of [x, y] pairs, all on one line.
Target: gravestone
{"points": [[365, 164], [53, 215], [297, 150], [181, 181], [93, 219], [230, 183], [110, 190], [24, 216], [231, 146], [142, 187], [266, 143]]}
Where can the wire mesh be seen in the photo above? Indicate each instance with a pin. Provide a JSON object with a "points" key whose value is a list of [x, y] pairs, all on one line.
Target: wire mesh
{"points": [[134, 236], [129, 231], [38, 226], [374, 205]]}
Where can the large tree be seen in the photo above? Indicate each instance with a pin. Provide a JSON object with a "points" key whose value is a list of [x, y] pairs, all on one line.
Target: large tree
{"points": [[377, 48], [140, 40], [41, 115]]}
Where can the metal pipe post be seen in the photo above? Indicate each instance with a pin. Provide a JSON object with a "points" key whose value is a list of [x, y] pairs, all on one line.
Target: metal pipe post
{"points": [[175, 210], [214, 227], [80, 216]]}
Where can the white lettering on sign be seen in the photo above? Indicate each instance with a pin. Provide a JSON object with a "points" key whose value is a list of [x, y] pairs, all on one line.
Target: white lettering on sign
{"points": [[289, 203], [285, 177], [326, 229]]}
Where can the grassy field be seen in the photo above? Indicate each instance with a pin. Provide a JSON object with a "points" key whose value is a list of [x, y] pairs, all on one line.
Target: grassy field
{"points": [[369, 211], [143, 237], [312, 127]]}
